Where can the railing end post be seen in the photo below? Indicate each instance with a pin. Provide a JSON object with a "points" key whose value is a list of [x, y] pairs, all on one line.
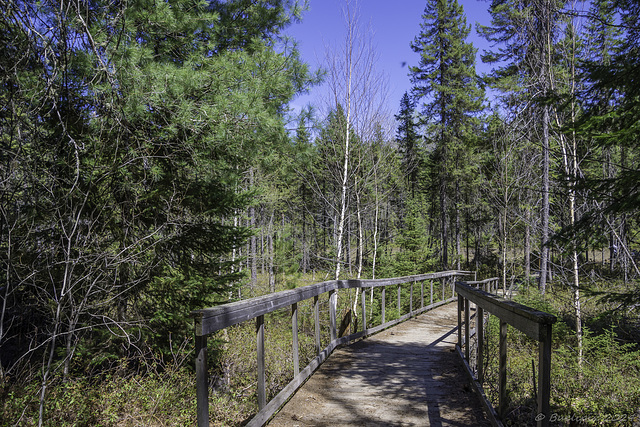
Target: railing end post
{"points": [[202, 380]]}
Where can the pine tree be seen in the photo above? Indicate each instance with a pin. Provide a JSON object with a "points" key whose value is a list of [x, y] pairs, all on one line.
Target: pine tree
{"points": [[445, 84], [131, 125]]}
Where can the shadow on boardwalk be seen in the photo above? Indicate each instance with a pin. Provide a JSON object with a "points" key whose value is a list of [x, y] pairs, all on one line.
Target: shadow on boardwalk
{"points": [[409, 375]]}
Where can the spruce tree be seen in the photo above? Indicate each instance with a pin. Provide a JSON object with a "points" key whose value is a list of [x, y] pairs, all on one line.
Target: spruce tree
{"points": [[524, 35], [408, 141], [445, 86]]}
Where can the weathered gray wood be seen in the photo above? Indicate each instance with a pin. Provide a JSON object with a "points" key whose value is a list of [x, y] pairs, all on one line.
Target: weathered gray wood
{"points": [[262, 394], [536, 324], [544, 378], [333, 303], [364, 309], [467, 326], [525, 319], [411, 299], [480, 344], [272, 406], [431, 300], [422, 294], [207, 321], [384, 304], [216, 318], [477, 387], [263, 416], [202, 386], [394, 378], [460, 311], [399, 300], [502, 370], [294, 330], [316, 321]]}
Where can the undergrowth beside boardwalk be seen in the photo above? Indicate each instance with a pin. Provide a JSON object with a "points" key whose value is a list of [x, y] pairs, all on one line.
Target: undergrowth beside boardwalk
{"points": [[602, 390], [159, 389]]}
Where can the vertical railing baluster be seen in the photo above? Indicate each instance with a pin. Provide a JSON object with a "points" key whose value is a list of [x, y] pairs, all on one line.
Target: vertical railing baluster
{"points": [[422, 294], [316, 321], [431, 300], [544, 375], [202, 381], [364, 309], [333, 303], [294, 330], [262, 395], [502, 380], [399, 302], [467, 334], [384, 304], [460, 309], [480, 343], [411, 299], [452, 280]]}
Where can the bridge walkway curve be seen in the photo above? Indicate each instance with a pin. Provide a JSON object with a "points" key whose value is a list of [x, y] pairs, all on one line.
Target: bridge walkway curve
{"points": [[408, 375]]}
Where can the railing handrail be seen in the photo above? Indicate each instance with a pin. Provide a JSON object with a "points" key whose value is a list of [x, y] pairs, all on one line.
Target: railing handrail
{"points": [[534, 323], [521, 317], [210, 320], [481, 282]]}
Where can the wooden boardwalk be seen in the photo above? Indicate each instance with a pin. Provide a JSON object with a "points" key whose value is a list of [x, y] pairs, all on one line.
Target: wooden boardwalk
{"points": [[408, 375]]}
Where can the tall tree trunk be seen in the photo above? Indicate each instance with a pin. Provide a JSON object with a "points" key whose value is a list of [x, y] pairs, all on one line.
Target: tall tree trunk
{"points": [[272, 275], [253, 240], [444, 232], [457, 220], [360, 236], [527, 244], [544, 250]]}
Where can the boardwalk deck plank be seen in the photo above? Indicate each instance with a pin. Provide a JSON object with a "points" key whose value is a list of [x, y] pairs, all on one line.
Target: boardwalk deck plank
{"points": [[405, 376]]}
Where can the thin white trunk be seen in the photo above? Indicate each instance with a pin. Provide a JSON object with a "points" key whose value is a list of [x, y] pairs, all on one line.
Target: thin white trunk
{"points": [[360, 236], [345, 165]]}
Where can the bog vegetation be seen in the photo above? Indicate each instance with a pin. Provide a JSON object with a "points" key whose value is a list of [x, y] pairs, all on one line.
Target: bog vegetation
{"points": [[150, 165]]}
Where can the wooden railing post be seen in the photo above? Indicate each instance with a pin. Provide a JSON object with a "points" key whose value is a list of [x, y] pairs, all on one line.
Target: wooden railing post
{"points": [[333, 304], [467, 334], [262, 395], [294, 330], [316, 320], [460, 309], [364, 309], [480, 343], [544, 377], [452, 283], [502, 369], [431, 282], [202, 381], [210, 320], [411, 299]]}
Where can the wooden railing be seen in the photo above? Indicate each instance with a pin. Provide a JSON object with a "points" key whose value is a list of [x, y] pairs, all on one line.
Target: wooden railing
{"points": [[210, 320], [535, 324]]}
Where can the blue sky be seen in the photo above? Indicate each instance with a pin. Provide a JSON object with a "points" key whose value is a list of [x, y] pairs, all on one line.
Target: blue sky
{"points": [[395, 23]]}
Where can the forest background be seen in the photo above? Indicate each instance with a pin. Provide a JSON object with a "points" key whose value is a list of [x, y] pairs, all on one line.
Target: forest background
{"points": [[150, 165]]}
